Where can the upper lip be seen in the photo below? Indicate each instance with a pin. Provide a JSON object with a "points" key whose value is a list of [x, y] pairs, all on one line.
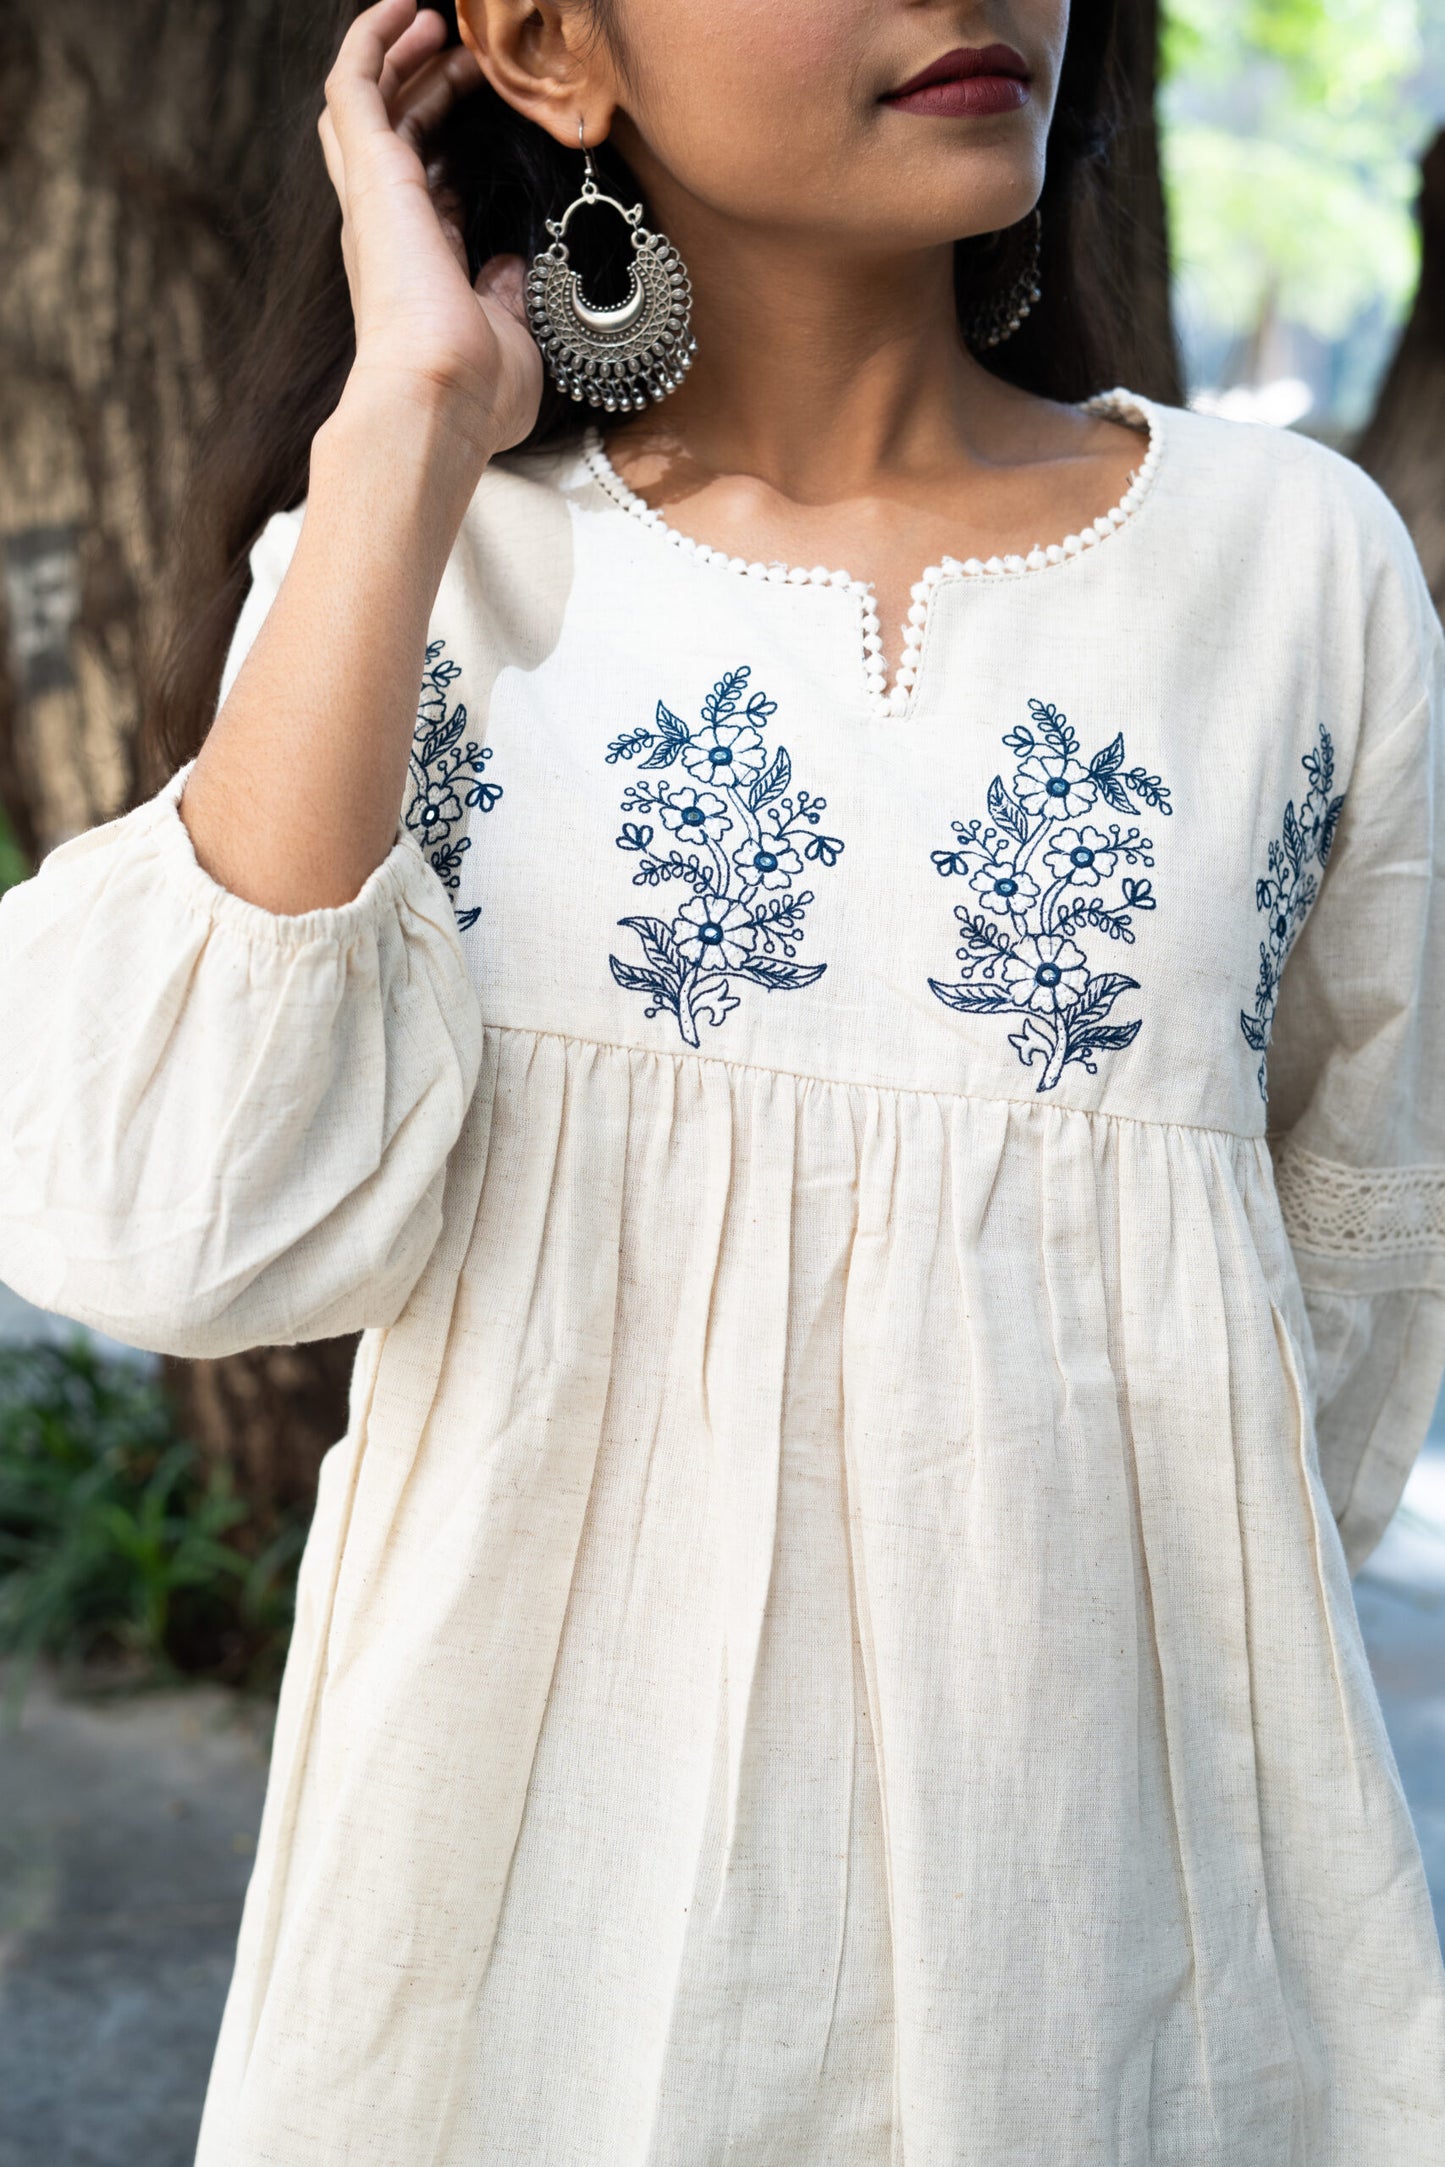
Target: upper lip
{"points": [[963, 61]]}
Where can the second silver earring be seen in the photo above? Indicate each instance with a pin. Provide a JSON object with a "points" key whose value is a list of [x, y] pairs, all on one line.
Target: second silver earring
{"points": [[615, 357]]}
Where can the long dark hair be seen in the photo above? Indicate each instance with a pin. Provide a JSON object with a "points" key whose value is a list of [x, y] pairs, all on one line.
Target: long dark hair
{"points": [[295, 335]]}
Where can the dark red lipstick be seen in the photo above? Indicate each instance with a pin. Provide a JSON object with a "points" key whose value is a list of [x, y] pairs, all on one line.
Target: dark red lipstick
{"points": [[972, 80]]}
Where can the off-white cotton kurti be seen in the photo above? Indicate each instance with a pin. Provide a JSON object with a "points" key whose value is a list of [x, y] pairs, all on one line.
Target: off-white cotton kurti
{"points": [[828, 1640]]}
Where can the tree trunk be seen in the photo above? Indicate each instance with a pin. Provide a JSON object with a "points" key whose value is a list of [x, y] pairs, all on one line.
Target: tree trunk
{"points": [[136, 145], [1403, 445]]}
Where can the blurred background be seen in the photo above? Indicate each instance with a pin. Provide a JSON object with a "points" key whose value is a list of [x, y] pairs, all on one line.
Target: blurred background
{"points": [[1274, 227]]}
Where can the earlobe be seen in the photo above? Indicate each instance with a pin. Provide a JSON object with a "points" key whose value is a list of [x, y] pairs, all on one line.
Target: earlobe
{"points": [[530, 53]]}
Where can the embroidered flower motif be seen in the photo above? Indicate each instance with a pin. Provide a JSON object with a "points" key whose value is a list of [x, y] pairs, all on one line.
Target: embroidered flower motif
{"points": [[445, 776], [1056, 787], [697, 813], [743, 919], [1046, 972], [1021, 950], [1287, 890], [728, 752], [768, 857], [711, 930], [1000, 887], [1081, 855]]}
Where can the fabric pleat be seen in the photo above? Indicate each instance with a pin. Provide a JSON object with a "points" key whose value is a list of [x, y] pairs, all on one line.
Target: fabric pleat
{"points": [[829, 1677]]}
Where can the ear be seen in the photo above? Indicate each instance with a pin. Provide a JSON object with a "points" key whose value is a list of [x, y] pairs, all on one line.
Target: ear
{"points": [[545, 59]]}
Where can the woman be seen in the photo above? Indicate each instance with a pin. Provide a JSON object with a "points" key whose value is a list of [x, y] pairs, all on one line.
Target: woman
{"points": [[889, 1317]]}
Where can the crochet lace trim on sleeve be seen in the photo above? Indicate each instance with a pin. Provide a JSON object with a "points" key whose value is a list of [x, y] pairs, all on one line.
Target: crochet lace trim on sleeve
{"points": [[1360, 1211]]}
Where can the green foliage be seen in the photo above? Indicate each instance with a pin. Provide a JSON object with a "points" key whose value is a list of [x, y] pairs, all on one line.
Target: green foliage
{"points": [[118, 1542], [13, 868], [1290, 155]]}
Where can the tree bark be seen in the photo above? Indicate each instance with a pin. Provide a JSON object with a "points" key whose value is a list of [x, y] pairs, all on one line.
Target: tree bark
{"points": [[137, 145], [1403, 444]]}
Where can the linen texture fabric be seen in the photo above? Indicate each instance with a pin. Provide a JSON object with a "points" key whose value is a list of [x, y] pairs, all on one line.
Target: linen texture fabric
{"points": [[901, 1259]]}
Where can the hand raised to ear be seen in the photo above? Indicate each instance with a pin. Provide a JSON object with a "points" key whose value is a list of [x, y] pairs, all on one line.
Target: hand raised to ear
{"points": [[423, 330]]}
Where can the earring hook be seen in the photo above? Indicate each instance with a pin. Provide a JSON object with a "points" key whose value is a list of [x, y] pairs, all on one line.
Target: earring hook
{"points": [[589, 171]]}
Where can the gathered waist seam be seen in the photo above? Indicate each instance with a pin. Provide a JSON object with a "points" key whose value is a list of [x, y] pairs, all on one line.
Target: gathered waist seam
{"points": [[680, 1057]]}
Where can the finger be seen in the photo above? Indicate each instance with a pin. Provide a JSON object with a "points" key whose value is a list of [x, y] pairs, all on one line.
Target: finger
{"points": [[412, 50], [424, 103], [353, 94], [331, 152]]}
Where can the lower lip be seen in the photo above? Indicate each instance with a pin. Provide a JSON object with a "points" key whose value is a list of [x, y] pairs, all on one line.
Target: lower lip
{"points": [[973, 95]]}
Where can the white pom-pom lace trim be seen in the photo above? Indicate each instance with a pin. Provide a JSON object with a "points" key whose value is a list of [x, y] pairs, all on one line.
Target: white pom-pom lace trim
{"points": [[895, 699]]}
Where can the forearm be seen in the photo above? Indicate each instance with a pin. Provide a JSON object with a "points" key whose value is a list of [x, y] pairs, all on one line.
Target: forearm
{"points": [[295, 794]]}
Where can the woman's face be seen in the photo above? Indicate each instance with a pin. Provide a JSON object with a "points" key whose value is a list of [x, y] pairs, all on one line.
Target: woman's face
{"points": [[785, 115]]}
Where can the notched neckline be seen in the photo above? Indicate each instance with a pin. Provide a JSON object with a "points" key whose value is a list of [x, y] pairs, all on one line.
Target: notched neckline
{"points": [[895, 701]]}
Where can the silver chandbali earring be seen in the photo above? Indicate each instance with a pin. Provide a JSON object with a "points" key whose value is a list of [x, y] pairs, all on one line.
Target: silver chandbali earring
{"points": [[998, 319], [612, 357]]}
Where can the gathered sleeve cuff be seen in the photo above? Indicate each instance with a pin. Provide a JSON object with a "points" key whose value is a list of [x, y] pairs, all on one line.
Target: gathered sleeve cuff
{"points": [[223, 1127]]}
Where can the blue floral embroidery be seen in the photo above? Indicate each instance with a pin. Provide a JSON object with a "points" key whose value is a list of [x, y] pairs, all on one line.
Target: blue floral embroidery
{"points": [[446, 771], [738, 838], [1289, 888], [1038, 871]]}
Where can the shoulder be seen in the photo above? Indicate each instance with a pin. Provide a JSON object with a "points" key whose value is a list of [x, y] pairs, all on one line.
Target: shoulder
{"points": [[1272, 504], [1292, 480]]}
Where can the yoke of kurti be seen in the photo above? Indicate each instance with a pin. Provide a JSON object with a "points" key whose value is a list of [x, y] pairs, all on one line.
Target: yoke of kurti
{"points": [[899, 1228]]}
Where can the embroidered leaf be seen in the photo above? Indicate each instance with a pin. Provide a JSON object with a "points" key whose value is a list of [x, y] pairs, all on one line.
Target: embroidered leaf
{"points": [[658, 945], [1253, 1030], [826, 849], [1112, 791], [1106, 1038], [950, 861], [1112, 756], [1005, 811], [981, 936], [697, 872], [1327, 829], [622, 748], [1150, 789], [637, 980], [776, 973], [971, 999], [1295, 846], [774, 778], [636, 835], [1098, 998], [1054, 728], [723, 699], [1139, 894], [1092, 912], [674, 734], [466, 919]]}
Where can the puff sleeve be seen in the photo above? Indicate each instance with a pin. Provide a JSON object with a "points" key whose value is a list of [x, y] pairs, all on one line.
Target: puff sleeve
{"points": [[222, 1127], [1356, 1076]]}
